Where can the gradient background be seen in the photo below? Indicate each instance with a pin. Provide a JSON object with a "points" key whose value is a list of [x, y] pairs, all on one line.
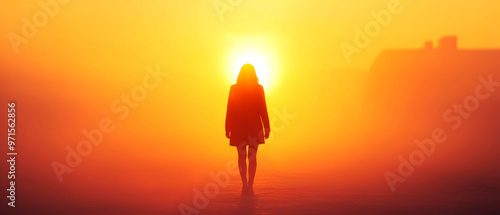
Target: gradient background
{"points": [[67, 76]]}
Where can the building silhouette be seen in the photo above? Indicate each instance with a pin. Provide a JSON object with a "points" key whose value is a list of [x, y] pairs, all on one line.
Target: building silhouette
{"points": [[423, 80], [409, 92]]}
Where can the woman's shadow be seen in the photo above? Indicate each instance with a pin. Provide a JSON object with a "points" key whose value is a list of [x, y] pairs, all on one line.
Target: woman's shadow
{"points": [[247, 204]]}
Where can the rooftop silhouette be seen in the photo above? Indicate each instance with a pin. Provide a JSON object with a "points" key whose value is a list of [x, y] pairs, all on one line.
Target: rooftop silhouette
{"points": [[402, 80], [411, 92], [446, 56]]}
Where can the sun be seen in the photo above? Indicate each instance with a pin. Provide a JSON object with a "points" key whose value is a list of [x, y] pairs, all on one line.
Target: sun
{"points": [[260, 56], [258, 60]]}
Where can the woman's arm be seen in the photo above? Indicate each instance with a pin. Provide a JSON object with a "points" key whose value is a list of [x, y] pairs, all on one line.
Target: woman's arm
{"points": [[264, 115], [229, 113]]}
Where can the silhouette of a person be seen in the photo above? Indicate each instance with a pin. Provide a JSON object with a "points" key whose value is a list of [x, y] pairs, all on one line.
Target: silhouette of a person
{"points": [[247, 122]]}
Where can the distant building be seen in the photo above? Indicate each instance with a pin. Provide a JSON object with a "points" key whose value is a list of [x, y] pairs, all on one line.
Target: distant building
{"points": [[417, 81], [428, 46], [448, 43], [411, 93], [445, 58]]}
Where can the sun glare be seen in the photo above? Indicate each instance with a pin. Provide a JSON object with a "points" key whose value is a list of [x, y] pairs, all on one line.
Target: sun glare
{"points": [[260, 57]]}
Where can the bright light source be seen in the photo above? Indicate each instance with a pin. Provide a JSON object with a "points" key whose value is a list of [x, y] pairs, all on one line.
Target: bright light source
{"points": [[257, 54]]}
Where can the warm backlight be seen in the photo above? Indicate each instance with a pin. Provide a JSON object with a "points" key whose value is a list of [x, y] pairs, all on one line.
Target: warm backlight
{"points": [[260, 57]]}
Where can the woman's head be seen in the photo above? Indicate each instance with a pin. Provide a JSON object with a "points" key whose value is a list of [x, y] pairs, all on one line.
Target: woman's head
{"points": [[247, 75]]}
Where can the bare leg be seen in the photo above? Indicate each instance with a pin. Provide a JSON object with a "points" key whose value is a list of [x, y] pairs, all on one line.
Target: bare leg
{"points": [[252, 165], [242, 164]]}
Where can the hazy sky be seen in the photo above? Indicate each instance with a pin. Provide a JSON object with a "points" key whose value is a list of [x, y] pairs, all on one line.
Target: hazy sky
{"points": [[311, 31]]}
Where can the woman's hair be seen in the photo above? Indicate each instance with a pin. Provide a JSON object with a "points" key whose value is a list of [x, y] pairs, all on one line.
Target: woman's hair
{"points": [[247, 75]]}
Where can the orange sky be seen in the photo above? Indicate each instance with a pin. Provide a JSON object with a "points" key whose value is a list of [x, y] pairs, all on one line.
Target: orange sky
{"points": [[124, 29]]}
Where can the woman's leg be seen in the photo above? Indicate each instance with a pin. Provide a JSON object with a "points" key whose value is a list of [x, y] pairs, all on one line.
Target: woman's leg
{"points": [[242, 164], [252, 164]]}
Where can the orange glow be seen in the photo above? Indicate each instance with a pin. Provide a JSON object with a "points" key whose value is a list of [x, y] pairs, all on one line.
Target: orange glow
{"points": [[258, 52], [329, 116]]}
